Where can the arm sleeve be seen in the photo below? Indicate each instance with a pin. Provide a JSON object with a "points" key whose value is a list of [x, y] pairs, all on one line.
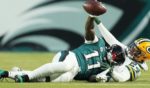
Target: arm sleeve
{"points": [[109, 38]]}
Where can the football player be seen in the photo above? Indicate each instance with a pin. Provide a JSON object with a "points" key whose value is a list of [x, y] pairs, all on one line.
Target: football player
{"points": [[89, 59], [136, 55], [92, 61]]}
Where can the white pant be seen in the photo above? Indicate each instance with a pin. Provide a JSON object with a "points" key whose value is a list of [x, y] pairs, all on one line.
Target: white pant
{"points": [[58, 71], [72, 68]]}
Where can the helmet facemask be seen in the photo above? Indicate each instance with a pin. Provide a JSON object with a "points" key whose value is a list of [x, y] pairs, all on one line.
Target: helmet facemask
{"points": [[115, 54]]}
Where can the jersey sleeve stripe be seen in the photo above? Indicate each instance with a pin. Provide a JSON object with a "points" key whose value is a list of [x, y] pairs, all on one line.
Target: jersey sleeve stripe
{"points": [[132, 73]]}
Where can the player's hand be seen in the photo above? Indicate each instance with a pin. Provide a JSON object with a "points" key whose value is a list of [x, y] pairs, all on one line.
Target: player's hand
{"points": [[102, 78], [93, 16]]}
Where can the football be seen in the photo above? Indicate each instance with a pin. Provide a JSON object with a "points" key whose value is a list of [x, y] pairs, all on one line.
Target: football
{"points": [[94, 7]]}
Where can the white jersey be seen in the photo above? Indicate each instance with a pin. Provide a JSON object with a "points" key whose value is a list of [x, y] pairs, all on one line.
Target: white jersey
{"points": [[129, 70]]}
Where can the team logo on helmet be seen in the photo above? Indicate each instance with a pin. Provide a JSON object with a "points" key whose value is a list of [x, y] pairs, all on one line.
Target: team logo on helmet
{"points": [[148, 49]]}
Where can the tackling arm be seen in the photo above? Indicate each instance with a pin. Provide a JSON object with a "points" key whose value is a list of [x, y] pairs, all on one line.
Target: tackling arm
{"points": [[110, 39]]}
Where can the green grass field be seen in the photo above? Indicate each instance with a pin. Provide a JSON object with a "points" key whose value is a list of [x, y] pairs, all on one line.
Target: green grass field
{"points": [[33, 60]]}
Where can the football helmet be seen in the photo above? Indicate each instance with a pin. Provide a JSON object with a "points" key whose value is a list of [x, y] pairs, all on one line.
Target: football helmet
{"points": [[115, 54], [140, 49]]}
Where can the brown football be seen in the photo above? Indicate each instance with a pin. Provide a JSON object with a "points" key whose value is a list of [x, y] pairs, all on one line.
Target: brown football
{"points": [[94, 7]]}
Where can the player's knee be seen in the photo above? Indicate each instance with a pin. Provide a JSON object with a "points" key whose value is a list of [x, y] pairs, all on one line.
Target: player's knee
{"points": [[56, 57], [68, 66]]}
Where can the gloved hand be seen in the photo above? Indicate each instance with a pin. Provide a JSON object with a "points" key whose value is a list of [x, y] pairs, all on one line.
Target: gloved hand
{"points": [[101, 77]]}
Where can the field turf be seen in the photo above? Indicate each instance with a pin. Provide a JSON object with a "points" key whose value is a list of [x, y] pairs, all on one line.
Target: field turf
{"points": [[33, 60]]}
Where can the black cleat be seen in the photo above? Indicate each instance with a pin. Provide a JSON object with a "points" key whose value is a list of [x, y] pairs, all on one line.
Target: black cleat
{"points": [[21, 78]]}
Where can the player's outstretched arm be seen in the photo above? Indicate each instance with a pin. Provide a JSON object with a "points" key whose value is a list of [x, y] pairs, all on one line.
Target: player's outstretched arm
{"points": [[110, 39], [89, 29]]}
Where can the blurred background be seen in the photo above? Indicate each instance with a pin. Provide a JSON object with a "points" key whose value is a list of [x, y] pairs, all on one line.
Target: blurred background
{"points": [[53, 25]]}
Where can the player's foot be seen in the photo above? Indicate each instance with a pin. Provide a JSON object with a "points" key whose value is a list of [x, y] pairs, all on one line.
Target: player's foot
{"points": [[3, 74], [21, 78], [16, 69]]}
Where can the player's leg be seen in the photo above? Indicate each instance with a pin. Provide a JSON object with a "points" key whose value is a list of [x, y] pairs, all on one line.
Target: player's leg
{"points": [[62, 77], [52, 68], [67, 76], [55, 59], [57, 77], [13, 74], [18, 71]]}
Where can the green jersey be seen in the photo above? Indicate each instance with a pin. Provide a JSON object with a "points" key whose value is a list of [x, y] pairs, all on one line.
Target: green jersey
{"points": [[91, 60]]}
